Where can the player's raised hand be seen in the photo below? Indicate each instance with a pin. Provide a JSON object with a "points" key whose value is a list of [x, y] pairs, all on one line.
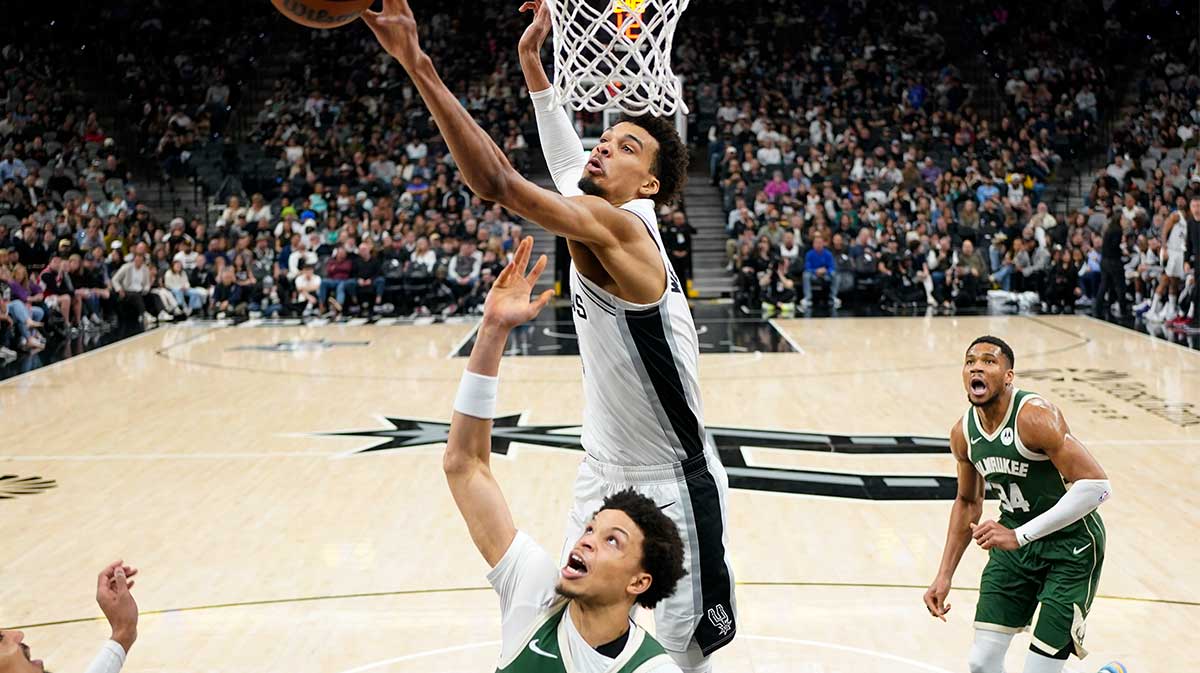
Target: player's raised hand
{"points": [[935, 598], [396, 30], [536, 32], [508, 303], [117, 604], [990, 534]]}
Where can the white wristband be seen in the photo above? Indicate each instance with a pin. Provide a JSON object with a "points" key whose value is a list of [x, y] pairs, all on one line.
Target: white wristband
{"points": [[477, 395]]}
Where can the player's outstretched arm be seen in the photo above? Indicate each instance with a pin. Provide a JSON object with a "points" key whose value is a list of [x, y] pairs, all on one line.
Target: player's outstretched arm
{"points": [[484, 168], [561, 147], [467, 461], [965, 512]]}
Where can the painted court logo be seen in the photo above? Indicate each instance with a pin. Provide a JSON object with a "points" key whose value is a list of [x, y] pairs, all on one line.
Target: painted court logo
{"points": [[1098, 389], [737, 448], [720, 619], [12, 485]]}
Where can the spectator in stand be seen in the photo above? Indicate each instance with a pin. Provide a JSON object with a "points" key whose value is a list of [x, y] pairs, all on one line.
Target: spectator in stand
{"points": [[203, 281], [86, 303], [341, 279], [228, 297], [369, 279], [778, 289], [464, 269], [968, 275], [177, 282], [308, 287], [132, 284], [1030, 263], [677, 239], [21, 317], [58, 290], [819, 265]]}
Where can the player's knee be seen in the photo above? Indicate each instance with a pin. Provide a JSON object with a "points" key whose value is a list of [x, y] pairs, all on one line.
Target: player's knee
{"points": [[983, 661], [987, 653]]}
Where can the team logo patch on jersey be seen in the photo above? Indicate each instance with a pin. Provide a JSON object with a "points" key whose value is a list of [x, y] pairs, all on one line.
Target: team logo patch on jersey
{"points": [[1006, 436], [720, 619], [729, 443]]}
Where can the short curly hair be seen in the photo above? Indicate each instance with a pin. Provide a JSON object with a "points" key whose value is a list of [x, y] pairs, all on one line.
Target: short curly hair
{"points": [[670, 164], [662, 548]]}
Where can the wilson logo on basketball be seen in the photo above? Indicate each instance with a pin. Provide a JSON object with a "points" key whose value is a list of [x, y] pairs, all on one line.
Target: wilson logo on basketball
{"points": [[12, 485], [321, 13]]}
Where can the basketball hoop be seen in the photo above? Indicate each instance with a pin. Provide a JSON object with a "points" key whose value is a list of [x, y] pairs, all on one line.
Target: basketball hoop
{"points": [[616, 54]]}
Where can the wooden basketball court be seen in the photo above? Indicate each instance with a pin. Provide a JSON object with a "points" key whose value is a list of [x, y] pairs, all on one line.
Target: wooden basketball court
{"points": [[233, 466]]}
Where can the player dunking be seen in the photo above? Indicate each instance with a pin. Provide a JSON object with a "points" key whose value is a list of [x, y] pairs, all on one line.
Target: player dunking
{"points": [[643, 417], [643, 424], [1048, 546], [574, 619]]}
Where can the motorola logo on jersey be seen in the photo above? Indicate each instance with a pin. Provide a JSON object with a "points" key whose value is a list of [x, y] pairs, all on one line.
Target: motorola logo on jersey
{"points": [[730, 443]]}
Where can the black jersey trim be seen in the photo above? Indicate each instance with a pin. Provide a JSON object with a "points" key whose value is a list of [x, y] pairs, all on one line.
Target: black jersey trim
{"points": [[654, 350], [591, 294]]}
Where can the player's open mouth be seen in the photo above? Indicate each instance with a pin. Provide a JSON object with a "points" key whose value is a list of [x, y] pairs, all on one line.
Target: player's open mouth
{"points": [[575, 567], [978, 386], [595, 167]]}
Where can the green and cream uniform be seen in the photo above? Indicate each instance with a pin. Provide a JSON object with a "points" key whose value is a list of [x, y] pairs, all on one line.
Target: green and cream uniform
{"points": [[542, 652], [1059, 571], [537, 633]]}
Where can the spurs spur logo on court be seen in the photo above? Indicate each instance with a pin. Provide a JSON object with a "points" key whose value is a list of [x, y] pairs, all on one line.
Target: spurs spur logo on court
{"points": [[731, 445], [12, 485], [301, 346], [1116, 384], [720, 619]]}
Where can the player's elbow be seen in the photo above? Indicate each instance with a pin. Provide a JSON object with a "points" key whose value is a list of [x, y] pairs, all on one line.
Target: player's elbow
{"points": [[493, 185], [970, 504]]}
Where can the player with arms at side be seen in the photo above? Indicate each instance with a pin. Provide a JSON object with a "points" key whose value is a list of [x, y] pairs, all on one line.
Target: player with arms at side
{"points": [[643, 415], [573, 619], [1048, 546]]}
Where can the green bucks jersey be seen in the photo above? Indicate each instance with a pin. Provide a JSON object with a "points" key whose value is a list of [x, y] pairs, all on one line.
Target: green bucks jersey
{"points": [[545, 649], [1026, 482]]}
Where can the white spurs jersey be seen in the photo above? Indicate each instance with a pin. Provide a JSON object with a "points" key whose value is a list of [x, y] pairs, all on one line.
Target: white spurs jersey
{"points": [[1177, 239], [641, 389]]}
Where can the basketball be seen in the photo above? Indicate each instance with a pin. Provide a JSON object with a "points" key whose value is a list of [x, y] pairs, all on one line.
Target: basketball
{"points": [[321, 13]]}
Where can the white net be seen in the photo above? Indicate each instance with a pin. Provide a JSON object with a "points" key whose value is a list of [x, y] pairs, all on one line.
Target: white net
{"points": [[616, 54]]}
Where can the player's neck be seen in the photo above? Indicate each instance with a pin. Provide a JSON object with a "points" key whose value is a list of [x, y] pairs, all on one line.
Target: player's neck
{"points": [[992, 414], [599, 624]]}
